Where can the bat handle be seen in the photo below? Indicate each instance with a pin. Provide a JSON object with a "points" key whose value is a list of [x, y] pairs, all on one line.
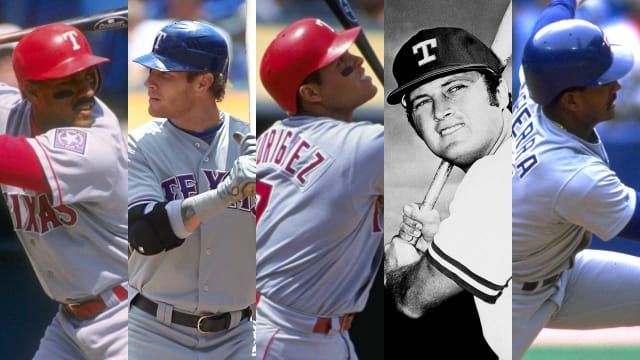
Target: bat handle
{"points": [[434, 191], [435, 188]]}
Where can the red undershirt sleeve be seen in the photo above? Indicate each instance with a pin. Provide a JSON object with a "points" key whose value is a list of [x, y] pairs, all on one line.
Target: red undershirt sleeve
{"points": [[19, 165]]}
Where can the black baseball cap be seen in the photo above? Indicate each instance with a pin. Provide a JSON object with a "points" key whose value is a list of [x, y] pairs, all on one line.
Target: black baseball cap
{"points": [[434, 53]]}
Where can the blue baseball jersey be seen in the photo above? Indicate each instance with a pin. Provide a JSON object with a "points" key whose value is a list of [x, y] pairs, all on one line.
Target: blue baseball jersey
{"points": [[319, 230]]}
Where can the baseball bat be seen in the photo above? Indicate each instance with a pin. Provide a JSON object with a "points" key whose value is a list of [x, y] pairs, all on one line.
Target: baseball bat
{"points": [[501, 45], [108, 20], [344, 13], [250, 43], [437, 184]]}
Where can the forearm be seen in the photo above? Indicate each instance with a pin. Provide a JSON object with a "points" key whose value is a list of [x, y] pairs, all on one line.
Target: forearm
{"points": [[201, 208], [419, 287]]}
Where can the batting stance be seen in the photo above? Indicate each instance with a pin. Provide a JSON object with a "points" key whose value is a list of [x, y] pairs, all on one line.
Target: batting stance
{"points": [[63, 176], [563, 189], [192, 229], [319, 231], [450, 86]]}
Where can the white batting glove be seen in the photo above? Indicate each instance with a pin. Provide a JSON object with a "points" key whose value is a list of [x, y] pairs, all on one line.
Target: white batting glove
{"points": [[241, 176], [247, 143]]}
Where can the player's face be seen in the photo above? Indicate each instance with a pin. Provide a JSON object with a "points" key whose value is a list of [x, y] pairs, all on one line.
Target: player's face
{"points": [[344, 85], [169, 94], [599, 102], [63, 102], [454, 117]]}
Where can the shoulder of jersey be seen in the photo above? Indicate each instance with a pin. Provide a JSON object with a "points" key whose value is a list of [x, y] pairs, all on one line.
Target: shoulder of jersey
{"points": [[150, 127], [237, 124]]}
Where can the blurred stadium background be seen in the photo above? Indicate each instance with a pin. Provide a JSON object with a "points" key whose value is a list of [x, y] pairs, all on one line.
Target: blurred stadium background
{"points": [[27, 311], [620, 19]]}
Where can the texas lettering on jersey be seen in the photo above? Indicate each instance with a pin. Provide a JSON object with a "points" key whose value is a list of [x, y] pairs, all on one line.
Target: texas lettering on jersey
{"points": [[34, 213], [299, 159], [184, 186], [524, 135]]}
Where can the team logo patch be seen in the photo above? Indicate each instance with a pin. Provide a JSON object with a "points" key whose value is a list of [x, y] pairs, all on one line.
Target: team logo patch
{"points": [[71, 139]]}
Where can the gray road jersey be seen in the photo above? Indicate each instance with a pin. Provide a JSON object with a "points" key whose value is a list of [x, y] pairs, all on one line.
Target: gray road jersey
{"points": [[75, 238], [319, 234], [563, 191], [214, 269]]}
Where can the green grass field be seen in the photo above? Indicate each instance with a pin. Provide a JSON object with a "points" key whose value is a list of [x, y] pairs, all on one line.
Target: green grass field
{"points": [[553, 352]]}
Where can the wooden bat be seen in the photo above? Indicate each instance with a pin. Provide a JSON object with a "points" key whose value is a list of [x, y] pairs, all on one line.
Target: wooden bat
{"points": [[109, 20], [344, 13], [501, 46], [250, 41], [437, 184]]}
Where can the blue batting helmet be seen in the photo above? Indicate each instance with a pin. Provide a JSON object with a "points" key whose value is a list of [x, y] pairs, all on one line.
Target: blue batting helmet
{"points": [[188, 46], [571, 53]]}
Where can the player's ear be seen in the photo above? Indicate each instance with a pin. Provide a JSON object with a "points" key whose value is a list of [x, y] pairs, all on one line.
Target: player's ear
{"points": [[204, 82], [29, 90], [571, 100], [309, 93]]}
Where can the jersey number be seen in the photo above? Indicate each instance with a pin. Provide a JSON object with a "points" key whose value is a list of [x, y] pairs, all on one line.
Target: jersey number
{"points": [[263, 192]]}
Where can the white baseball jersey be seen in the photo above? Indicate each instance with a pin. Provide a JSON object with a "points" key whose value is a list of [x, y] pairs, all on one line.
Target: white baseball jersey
{"points": [[214, 269], [563, 191], [472, 246], [75, 238], [319, 231]]}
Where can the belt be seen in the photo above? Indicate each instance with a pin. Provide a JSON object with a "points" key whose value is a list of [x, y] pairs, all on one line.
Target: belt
{"points": [[88, 309], [323, 325], [204, 323], [533, 285]]}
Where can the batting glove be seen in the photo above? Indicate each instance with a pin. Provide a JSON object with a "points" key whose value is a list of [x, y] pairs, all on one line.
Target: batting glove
{"points": [[247, 143]]}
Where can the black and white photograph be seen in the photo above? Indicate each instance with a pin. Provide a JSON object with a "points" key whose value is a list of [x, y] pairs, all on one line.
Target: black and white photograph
{"points": [[447, 171]]}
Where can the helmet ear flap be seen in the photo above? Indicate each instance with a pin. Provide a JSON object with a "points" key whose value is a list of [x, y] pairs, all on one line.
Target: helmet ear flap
{"points": [[96, 79]]}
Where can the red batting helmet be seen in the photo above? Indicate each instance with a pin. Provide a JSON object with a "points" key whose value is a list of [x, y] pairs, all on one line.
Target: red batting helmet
{"points": [[51, 52], [300, 49]]}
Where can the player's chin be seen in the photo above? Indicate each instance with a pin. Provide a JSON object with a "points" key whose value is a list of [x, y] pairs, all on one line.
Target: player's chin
{"points": [[155, 111], [83, 119], [369, 93]]}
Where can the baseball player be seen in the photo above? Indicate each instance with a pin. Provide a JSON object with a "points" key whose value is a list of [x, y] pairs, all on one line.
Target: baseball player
{"points": [[192, 229], [563, 189], [450, 85], [67, 202], [319, 230]]}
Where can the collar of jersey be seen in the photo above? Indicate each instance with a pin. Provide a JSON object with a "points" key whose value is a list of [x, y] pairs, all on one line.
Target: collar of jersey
{"points": [[200, 135]]}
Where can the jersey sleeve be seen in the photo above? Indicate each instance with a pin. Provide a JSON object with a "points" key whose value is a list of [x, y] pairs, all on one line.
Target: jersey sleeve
{"points": [[81, 164], [143, 186], [473, 245], [606, 204]]}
